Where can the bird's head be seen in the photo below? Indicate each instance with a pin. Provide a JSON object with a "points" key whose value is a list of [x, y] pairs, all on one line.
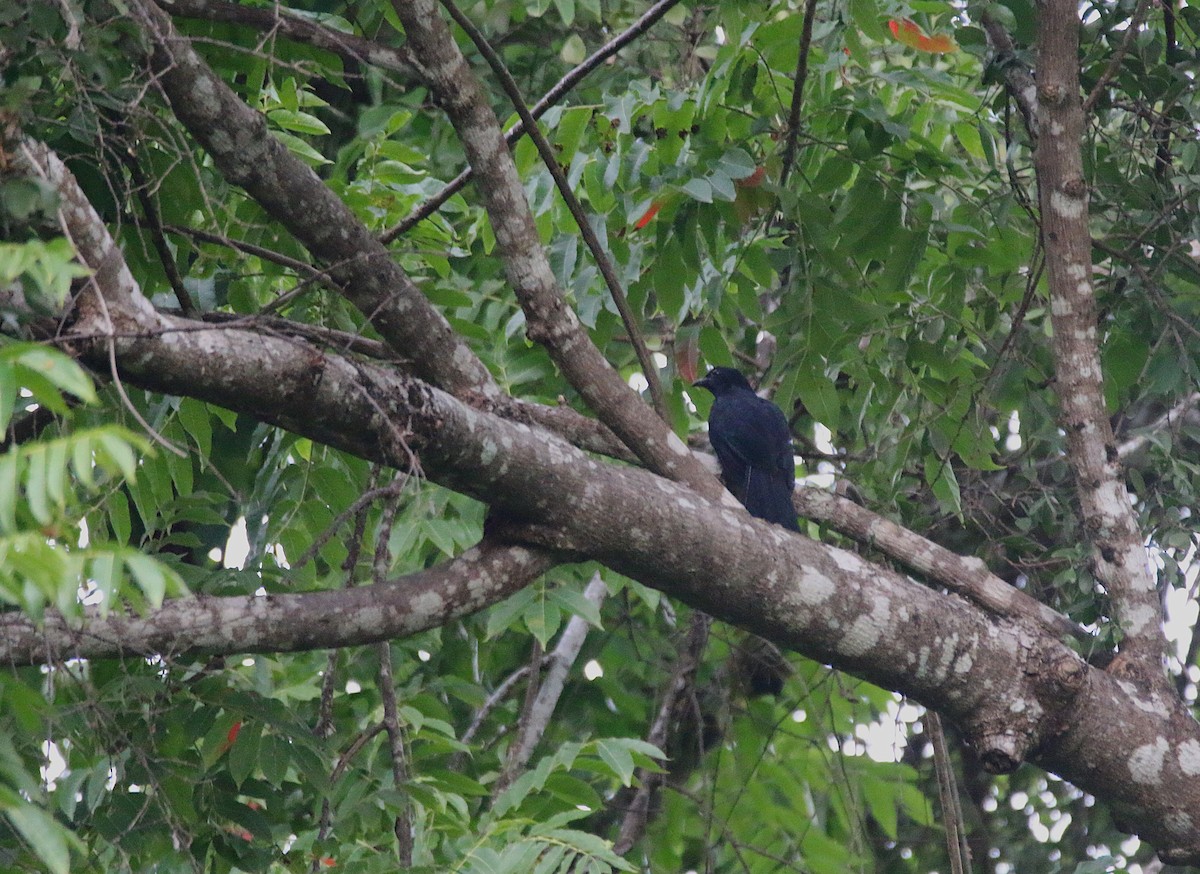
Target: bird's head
{"points": [[720, 380]]}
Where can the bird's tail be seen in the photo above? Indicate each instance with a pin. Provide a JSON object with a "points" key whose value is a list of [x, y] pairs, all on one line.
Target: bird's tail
{"points": [[770, 497]]}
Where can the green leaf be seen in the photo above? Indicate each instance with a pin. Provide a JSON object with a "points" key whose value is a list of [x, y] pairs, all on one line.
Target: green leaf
{"points": [[298, 122], [543, 619], [566, 9], [617, 756], [52, 365], [573, 50], [301, 149], [244, 753], [575, 603], [968, 137], [49, 841], [698, 189], [819, 396], [866, 14], [940, 476], [503, 616]]}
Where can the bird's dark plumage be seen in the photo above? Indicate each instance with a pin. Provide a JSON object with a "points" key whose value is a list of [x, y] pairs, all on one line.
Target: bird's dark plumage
{"points": [[754, 446]]}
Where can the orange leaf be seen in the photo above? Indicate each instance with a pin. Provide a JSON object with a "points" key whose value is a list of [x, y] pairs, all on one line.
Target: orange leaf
{"points": [[910, 34], [754, 180], [647, 216], [230, 737]]}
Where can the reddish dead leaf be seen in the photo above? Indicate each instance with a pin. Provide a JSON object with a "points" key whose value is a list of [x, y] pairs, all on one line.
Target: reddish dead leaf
{"points": [[648, 216], [687, 358], [911, 35], [754, 180], [230, 737]]}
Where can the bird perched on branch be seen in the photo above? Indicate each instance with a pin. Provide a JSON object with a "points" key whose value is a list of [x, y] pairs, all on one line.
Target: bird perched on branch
{"points": [[754, 446]]}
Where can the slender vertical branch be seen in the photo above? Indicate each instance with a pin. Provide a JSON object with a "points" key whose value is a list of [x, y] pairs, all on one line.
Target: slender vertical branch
{"points": [[550, 320], [648, 19], [399, 754], [247, 155], [1120, 562], [1118, 57], [550, 159], [141, 187], [561, 658], [952, 819], [793, 128], [1018, 78], [677, 697], [381, 564]]}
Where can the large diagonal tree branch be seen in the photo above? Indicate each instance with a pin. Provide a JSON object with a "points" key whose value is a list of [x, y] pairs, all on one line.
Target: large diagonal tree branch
{"points": [[287, 622], [1012, 689], [1121, 564], [966, 576], [236, 137], [345, 45], [550, 319], [559, 174], [248, 156]]}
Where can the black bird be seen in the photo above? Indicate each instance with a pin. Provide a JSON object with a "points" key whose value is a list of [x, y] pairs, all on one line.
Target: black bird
{"points": [[754, 446]]}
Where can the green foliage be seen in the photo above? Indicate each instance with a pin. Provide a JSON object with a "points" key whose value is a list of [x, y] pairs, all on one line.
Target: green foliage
{"points": [[894, 275]]}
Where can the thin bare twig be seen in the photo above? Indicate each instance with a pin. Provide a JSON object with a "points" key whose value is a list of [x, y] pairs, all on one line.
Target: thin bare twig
{"points": [[607, 270], [403, 825], [399, 754], [360, 504], [951, 804], [512, 765], [141, 187], [324, 726], [560, 659], [1118, 57], [793, 128], [1018, 78], [278, 19], [678, 695]]}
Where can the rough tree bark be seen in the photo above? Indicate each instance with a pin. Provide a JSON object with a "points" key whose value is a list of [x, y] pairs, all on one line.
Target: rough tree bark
{"points": [[1010, 684], [1121, 564]]}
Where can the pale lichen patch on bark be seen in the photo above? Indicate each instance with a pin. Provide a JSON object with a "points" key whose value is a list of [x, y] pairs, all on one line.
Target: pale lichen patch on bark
{"points": [[1179, 822], [1139, 617], [865, 632], [814, 589], [1061, 306], [1066, 206], [848, 561], [1146, 762], [1189, 757], [676, 445]]}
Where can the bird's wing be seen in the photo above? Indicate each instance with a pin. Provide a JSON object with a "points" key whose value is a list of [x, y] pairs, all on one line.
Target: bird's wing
{"points": [[751, 430]]}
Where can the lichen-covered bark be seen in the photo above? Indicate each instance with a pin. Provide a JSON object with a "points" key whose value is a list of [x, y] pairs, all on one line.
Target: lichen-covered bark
{"points": [[1014, 690], [281, 20], [248, 156], [1120, 561], [351, 616], [551, 320]]}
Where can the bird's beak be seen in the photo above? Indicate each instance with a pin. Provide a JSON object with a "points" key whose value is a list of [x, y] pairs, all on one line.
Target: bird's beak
{"points": [[702, 383]]}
